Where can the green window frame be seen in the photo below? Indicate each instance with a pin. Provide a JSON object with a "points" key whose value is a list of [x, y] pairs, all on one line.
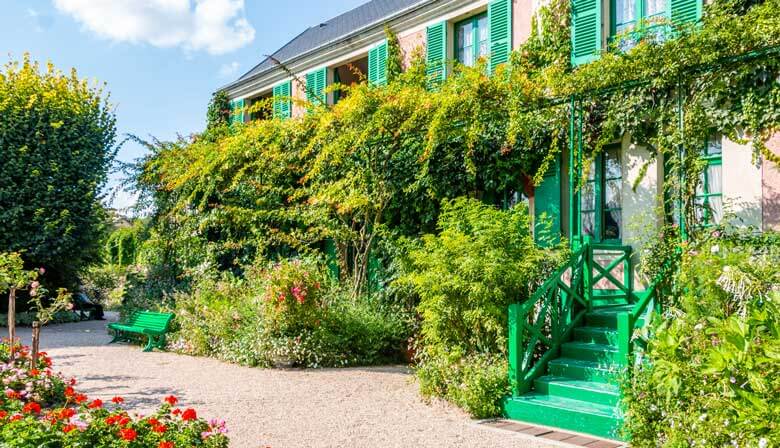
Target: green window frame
{"points": [[479, 45], [709, 195], [601, 208]]}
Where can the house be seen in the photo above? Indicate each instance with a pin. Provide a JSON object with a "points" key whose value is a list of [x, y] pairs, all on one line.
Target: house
{"points": [[612, 212]]}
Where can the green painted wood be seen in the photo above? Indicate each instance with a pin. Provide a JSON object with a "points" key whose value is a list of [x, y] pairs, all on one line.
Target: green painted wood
{"points": [[377, 64], [684, 11], [584, 370], [500, 20], [596, 335], [589, 391], [152, 325], [603, 354], [515, 348], [236, 111], [585, 31], [436, 53], [574, 415], [331, 254], [316, 82], [547, 207], [282, 102]]}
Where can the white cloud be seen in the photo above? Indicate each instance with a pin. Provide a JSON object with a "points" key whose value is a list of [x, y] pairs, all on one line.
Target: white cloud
{"points": [[216, 26], [229, 70]]}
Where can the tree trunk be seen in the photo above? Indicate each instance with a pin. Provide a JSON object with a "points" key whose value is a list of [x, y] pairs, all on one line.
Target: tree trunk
{"points": [[36, 343], [12, 320]]}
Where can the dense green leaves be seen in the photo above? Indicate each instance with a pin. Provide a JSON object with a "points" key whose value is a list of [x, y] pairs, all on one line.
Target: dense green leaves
{"points": [[56, 146]]}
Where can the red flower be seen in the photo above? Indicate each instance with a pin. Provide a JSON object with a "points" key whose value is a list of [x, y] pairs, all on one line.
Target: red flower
{"points": [[32, 408], [67, 413], [153, 421], [15, 417], [80, 398], [72, 381], [13, 395], [160, 429], [68, 428], [3, 414], [69, 392], [189, 414], [128, 434], [123, 421], [96, 404], [118, 400], [34, 372], [166, 444], [176, 411], [171, 400]]}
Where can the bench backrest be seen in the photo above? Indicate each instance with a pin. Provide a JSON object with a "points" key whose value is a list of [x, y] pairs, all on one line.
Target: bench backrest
{"points": [[150, 320]]}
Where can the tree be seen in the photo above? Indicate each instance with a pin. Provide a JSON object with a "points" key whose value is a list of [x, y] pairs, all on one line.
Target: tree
{"points": [[57, 143]]}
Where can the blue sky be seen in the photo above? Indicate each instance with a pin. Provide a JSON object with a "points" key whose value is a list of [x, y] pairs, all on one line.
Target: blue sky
{"points": [[160, 59]]}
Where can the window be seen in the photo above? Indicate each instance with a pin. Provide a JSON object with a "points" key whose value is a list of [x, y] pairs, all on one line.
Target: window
{"points": [[472, 39], [601, 211], [709, 193], [627, 15]]}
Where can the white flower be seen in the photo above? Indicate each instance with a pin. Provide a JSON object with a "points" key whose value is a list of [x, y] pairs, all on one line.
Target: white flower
{"points": [[763, 443]]}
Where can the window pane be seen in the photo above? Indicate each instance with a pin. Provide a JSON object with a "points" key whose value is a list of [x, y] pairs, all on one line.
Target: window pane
{"points": [[612, 193], [654, 7], [714, 182], [588, 224], [612, 224], [612, 168], [715, 145], [588, 197], [716, 209], [483, 37], [624, 12]]}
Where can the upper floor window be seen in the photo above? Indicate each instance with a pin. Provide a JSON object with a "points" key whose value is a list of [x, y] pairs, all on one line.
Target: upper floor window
{"points": [[472, 39], [627, 14], [709, 194]]}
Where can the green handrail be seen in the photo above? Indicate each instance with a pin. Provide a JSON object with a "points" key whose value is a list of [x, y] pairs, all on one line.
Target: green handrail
{"points": [[547, 318]]}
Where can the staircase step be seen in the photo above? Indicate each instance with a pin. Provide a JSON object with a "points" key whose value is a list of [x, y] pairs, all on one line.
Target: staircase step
{"points": [[590, 391], [609, 297], [596, 335], [574, 415], [579, 369], [606, 317], [600, 353]]}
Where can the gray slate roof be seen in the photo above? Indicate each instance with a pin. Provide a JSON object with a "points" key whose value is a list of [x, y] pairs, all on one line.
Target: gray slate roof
{"points": [[372, 12]]}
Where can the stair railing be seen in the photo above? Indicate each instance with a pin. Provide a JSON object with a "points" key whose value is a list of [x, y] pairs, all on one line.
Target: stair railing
{"points": [[604, 273], [539, 326]]}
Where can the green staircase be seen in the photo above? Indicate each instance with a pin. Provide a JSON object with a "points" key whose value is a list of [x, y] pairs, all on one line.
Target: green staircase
{"points": [[570, 344], [580, 390]]}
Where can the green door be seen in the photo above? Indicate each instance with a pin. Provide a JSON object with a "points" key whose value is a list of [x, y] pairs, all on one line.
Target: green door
{"points": [[547, 208]]}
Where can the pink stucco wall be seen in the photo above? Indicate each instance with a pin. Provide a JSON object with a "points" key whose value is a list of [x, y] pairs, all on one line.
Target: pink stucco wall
{"points": [[771, 187], [522, 12], [409, 43]]}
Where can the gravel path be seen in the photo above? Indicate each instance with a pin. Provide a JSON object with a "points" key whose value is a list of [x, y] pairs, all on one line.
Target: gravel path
{"points": [[356, 407]]}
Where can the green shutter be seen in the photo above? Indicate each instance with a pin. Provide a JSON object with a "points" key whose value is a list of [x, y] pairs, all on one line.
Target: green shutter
{"points": [[377, 65], [547, 208], [585, 31], [684, 11], [283, 100], [436, 53], [315, 86], [500, 20], [236, 111]]}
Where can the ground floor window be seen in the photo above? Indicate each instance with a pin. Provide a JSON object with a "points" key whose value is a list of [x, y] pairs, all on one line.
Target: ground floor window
{"points": [[601, 212], [709, 193]]}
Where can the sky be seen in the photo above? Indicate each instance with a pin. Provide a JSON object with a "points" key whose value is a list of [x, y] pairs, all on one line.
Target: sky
{"points": [[160, 59]]}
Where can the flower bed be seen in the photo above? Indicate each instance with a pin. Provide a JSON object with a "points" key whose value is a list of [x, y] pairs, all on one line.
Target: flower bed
{"points": [[42, 408]]}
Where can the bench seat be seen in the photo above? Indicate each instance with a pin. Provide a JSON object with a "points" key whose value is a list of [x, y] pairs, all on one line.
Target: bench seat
{"points": [[151, 324]]}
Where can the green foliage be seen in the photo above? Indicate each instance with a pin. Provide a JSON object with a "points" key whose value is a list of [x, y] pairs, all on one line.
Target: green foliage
{"points": [[293, 296], [124, 244], [12, 272], [713, 366], [57, 134], [218, 113], [481, 260]]}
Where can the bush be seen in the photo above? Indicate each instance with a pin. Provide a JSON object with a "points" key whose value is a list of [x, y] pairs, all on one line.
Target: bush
{"points": [[712, 368], [482, 260], [243, 320], [41, 408]]}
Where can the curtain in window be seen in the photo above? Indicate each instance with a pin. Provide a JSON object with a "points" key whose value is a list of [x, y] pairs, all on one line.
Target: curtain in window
{"points": [[715, 186]]}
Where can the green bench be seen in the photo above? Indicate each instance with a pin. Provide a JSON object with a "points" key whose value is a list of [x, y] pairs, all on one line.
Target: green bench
{"points": [[146, 323]]}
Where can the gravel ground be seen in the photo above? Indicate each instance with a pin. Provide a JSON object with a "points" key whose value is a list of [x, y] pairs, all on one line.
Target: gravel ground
{"points": [[356, 407]]}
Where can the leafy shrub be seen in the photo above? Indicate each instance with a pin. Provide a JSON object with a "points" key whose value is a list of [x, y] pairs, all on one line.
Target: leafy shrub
{"points": [[41, 408], [243, 320], [482, 260], [713, 366]]}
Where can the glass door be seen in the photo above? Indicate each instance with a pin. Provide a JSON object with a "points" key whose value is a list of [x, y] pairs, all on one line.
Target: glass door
{"points": [[601, 210]]}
